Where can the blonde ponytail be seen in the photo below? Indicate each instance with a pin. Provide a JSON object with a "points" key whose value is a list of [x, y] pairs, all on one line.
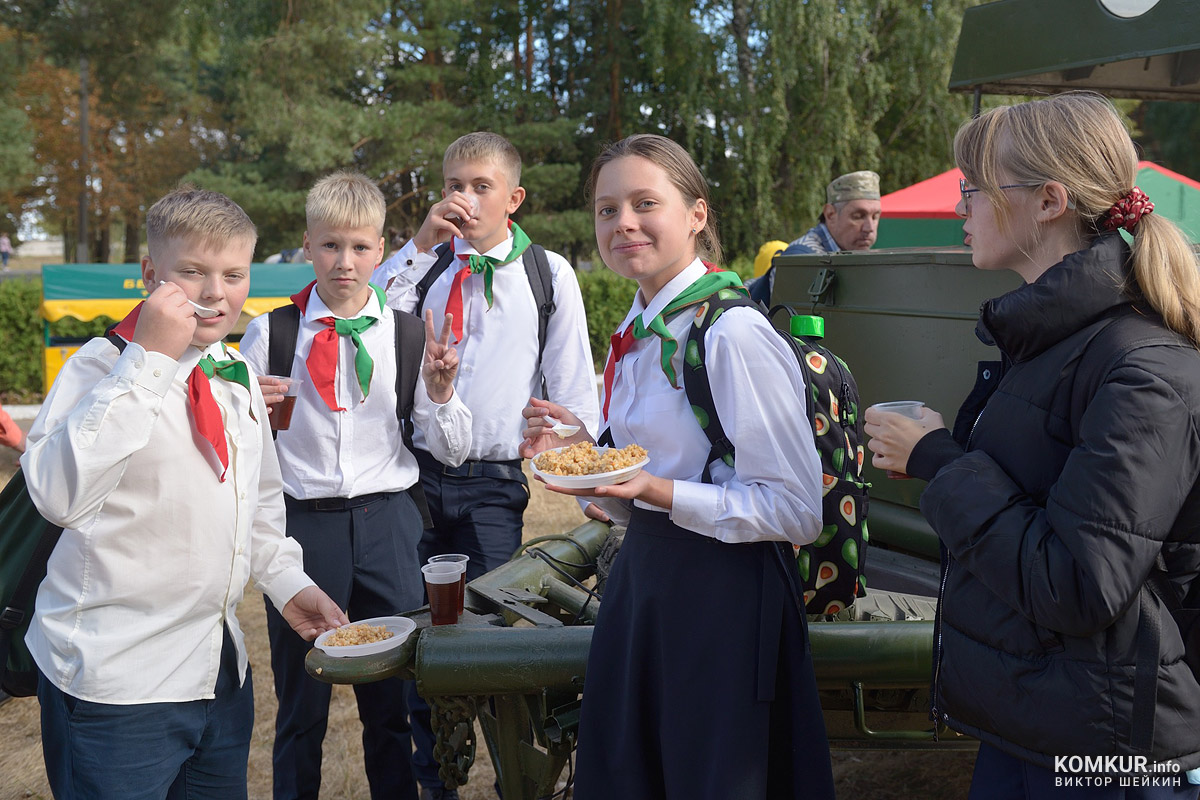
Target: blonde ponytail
{"points": [[1167, 274], [1078, 140]]}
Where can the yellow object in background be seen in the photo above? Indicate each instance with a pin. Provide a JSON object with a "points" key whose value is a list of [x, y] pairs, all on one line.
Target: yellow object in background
{"points": [[762, 261]]}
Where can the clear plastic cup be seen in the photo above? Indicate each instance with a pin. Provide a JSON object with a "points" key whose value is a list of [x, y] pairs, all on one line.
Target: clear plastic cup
{"points": [[461, 560], [441, 584], [910, 409], [281, 412]]}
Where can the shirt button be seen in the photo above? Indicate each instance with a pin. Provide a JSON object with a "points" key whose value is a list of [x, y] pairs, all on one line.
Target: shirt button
{"points": [[158, 373], [137, 364], [242, 496], [241, 550], [409, 262]]}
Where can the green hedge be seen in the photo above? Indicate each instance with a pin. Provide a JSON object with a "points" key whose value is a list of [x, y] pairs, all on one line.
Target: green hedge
{"points": [[23, 340], [21, 354]]}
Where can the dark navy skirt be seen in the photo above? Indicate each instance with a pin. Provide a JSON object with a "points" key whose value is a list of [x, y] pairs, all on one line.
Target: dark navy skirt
{"points": [[700, 681]]}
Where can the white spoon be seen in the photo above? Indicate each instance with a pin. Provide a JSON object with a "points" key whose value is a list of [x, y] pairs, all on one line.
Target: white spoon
{"points": [[204, 312], [564, 431]]}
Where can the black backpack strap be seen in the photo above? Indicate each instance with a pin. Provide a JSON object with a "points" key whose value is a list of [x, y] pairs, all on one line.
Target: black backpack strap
{"points": [[283, 329], [410, 353], [541, 283], [699, 390], [445, 256]]}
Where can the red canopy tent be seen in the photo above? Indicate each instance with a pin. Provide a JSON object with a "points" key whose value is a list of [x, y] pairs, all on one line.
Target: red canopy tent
{"points": [[922, 215]]}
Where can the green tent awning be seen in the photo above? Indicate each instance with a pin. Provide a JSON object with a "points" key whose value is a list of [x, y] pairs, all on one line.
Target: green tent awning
{"points": [[1039, 46]]}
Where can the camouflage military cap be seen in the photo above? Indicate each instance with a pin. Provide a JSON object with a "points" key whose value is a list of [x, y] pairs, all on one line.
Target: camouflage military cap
{"points": [[861, 185]]}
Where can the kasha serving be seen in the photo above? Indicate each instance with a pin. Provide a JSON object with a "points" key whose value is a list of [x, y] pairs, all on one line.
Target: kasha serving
{"points": [[582, 458], [349, 635]]}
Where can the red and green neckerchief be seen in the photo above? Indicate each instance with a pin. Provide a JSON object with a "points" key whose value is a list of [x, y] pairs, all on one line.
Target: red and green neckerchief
{"points": [[323, 355], [475, 264], [700, 290], [206, 414]]}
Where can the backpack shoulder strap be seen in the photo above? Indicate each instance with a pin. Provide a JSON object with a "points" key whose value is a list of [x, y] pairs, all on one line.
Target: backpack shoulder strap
{"points": [[698, 388], [541, 282], [117, 341], [410, 350], [283, 329], [445, 256]]}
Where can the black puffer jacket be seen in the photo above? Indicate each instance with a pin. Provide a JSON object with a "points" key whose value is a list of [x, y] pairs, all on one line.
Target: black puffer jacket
{"points": [[1053, 519]]}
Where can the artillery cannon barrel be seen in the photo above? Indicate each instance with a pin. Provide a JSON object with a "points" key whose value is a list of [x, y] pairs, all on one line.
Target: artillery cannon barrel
{"points": [[471, 661], [474, 661], [878, 654]]}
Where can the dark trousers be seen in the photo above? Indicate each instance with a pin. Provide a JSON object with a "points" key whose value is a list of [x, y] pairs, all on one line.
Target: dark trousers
{"points": [[674, 710], [999, 776], [365, 559], [148, 751], [479, 515]]}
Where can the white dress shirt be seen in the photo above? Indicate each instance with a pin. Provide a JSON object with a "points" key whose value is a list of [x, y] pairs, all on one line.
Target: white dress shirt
{"points": [[773, 491], [359, 451], [155, 550], [498, 370]]}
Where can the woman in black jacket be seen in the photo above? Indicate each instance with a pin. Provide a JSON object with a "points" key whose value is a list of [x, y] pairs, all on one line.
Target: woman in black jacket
{"points": [[1071, 484]]}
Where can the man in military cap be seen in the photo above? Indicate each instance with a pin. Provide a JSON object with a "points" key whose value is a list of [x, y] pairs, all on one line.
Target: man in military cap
{"points": [[849, 221]]}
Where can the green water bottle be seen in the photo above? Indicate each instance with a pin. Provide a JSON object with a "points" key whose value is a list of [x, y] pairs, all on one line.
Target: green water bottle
{"points": [[807, 326]]}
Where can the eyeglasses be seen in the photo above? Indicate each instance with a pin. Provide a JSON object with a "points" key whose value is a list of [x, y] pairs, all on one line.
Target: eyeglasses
{"points": [[966, 193]]}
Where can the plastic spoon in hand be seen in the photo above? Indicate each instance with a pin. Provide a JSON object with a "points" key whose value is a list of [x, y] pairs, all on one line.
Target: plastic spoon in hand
{"points": [[203, 312], [562, 429]]}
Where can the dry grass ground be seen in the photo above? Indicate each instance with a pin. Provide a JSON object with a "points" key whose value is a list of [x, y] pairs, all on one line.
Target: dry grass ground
{"points": [[867, 775]]}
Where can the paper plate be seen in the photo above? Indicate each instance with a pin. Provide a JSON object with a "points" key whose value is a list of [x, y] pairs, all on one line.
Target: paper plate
{"points": [[400, 627], [589, 481]]}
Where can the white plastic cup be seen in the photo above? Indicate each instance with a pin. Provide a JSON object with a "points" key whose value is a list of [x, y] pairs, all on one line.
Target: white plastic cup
{"points": [[441, 584], [908, 408]]}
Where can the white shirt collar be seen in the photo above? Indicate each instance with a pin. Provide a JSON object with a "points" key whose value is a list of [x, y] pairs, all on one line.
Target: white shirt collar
{"points": [[316, 307], [674, 287], [464, 248]]}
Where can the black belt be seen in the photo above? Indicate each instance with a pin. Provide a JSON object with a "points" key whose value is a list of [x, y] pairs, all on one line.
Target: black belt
{"points": [[502, 470], [338, 503]]}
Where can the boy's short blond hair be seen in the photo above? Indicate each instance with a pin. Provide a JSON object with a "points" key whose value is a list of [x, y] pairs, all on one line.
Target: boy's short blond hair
{"points": [[190, 213], [346, 200], [489, 147]]}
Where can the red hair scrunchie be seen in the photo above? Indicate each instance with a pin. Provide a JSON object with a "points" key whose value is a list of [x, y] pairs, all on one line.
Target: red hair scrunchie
{"points": [[1126, 212]]}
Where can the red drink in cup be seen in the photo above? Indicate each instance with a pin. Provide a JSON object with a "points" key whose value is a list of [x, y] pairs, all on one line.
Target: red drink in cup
{"points": [[441, 583], [461, 561], [281, 413]]}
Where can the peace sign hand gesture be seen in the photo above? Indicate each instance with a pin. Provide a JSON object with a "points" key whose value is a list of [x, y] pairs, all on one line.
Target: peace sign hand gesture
{"points": [[440, 364]]}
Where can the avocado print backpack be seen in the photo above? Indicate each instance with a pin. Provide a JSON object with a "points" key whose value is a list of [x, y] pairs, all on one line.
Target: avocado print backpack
{"points": [[831, 568]]}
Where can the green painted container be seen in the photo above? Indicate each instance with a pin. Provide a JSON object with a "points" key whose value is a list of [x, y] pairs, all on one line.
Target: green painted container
{"points": [[904, 322]]}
